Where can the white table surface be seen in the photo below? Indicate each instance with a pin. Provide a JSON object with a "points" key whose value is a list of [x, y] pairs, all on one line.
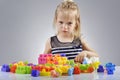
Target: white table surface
{"points": [[83, 76]]}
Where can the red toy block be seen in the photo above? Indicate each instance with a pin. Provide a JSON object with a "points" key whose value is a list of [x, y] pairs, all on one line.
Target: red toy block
{"points": [[77, 70]]}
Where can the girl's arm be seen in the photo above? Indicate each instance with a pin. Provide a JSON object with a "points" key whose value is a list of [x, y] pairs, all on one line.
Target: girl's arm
{"points": [[47, 47], [89, 52]]}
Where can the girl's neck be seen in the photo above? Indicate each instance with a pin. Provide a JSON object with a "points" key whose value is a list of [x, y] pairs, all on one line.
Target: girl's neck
{"points": [[65, 38]]}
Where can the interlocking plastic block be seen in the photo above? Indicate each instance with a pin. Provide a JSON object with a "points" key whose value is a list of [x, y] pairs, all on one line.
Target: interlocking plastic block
{"points": [[76, 70], [20, 70], [28, 69], [84, 66], [96, 64], [110, 67], [5, 68], [44, 73], [30, 64], [59, 71], [21, 63], [72, 63], [100, 69], [13, 68], [90, 69], [110, 71], [35, 73], [84, 61], [70, 71]]}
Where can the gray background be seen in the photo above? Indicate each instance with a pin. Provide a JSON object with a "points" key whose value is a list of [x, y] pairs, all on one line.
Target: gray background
{"points": [[25, 26]]}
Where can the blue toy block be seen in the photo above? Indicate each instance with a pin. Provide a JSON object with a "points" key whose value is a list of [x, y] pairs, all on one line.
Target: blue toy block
{"points": [[70, 71], [84, 61], [5, 68], [110, 68], [110, 72], [35, 73], [100, 69]]}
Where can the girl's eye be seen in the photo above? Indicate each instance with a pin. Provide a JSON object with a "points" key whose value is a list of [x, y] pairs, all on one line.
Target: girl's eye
{"points": [[60, 22], [69, 23]]}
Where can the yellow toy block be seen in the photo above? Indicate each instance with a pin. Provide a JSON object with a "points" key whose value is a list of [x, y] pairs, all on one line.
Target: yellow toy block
{"points": [[15, 64], [44, 73], [59, 71], [60, 62], [96, 64], [21, 63], [64, 69]]}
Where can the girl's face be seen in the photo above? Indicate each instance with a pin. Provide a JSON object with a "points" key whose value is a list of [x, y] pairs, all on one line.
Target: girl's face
{"points": [[65, 23]]}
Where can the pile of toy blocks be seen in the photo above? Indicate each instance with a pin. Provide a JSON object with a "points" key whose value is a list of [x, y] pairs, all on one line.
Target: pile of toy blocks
{"points": [[109, 68], [51, 65]]}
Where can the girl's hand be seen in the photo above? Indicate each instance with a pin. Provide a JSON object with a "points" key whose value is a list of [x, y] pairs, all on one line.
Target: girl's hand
{"points": [[80, 56]]}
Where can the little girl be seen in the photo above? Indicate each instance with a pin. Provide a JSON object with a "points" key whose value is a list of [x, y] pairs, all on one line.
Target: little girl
{"points": [[68, 38]]}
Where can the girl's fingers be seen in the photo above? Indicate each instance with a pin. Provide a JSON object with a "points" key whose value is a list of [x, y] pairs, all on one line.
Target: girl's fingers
{"points": [[79, 58], [76, 59]]}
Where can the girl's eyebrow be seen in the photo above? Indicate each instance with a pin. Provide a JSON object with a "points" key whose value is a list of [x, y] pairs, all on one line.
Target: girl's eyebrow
{"points": [[60, 21], [70, 22]]}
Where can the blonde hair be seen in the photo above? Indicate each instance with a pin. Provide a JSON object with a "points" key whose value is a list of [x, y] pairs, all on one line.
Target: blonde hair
{"points": [[69, 5]]}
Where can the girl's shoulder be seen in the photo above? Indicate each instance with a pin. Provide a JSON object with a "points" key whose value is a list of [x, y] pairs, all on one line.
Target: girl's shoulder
{"points": [[78, 39]]}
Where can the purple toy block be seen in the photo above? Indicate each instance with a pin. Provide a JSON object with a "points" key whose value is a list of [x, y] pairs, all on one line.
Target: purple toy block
{"points": [[30, 64], [5, 68], [100, 69], [35, 73]]}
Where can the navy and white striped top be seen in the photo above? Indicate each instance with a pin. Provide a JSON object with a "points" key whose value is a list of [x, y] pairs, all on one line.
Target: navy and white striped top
{"points": [[71, 49]]}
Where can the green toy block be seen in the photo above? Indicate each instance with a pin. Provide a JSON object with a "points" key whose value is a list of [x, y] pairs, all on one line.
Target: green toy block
{"points": [[28, 69], [68, 62], [10, 65], [72, 63], [84, 66], [26, 62], [21, 70]]}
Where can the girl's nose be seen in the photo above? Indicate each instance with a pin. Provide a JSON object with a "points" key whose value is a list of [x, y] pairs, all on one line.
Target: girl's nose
{"points": [[65, 26]]}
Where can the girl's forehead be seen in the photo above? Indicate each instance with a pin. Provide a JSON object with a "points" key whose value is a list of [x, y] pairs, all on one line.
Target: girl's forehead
{"points": [[66, 15]]}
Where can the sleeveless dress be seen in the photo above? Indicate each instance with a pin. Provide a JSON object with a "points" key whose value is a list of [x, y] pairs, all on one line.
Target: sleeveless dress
{"points": [[71, 49]]}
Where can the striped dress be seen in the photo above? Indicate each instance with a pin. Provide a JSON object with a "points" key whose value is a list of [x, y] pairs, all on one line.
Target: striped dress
{"points": [[71, 49]]}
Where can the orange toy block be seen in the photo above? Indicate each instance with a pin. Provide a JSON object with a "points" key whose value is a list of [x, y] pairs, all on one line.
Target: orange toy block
{"points": [[13, 68]]}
